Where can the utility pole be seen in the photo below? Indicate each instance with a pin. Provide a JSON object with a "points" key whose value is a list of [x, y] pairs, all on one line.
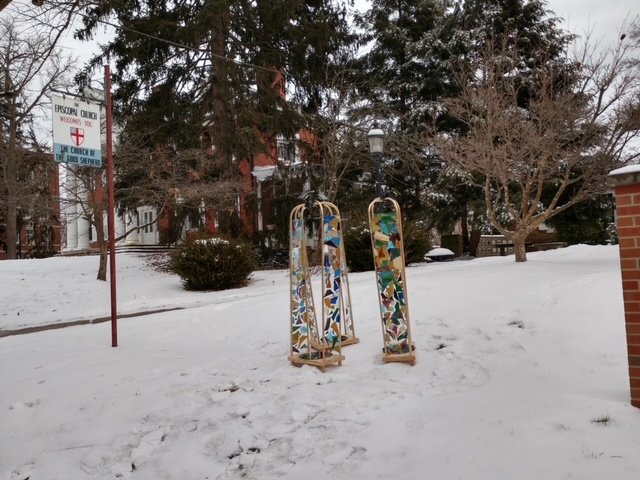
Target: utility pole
{"points": [[12, 200], [10, 168]]}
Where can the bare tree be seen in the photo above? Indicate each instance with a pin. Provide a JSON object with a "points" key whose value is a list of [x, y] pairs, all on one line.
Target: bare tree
{"points": [[29, 67], [542, 142], [338, 138], [338, 154], [53, 16], [160, 177]]}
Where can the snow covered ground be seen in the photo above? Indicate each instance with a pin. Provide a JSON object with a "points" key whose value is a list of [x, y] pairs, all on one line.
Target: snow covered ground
{"points": [[521, 374]]}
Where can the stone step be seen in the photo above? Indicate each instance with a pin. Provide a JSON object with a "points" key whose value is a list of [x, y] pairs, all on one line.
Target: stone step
{"points": [[145, 248]]}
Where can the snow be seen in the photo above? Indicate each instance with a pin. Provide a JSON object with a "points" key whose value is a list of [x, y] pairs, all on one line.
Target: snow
{"points": [[438, 252], [521, 374], [625, 170]]}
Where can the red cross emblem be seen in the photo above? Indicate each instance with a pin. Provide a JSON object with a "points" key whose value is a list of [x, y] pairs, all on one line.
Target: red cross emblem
{"points": [[77, 136]]}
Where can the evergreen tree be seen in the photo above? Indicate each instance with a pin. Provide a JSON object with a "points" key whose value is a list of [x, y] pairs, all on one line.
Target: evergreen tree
{"points": [[524, 29], [213, 71], [539, 136], [416, 49], [402, 57], [403, 69], [587, 222]]}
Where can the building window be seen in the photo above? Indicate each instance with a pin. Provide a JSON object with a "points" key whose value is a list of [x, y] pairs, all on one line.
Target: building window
{"points": [[288, 151], [147, 218]]}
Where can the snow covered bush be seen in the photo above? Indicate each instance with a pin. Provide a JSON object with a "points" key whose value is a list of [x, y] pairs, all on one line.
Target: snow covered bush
{"points": [[213, 263]]}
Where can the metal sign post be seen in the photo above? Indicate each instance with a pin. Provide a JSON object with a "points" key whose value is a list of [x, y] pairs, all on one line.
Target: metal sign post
{"points": [[111, 204], [77, 141]]}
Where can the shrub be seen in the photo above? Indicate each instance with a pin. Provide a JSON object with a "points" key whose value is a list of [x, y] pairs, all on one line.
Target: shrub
{"points": [[587, 222], [272, 258], [213, 263], [357, 244], [417, 241]]}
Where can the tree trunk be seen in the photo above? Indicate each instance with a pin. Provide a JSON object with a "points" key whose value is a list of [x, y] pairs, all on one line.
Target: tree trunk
{"points": [[222, 125], [102, 268], [102, 245], [519, 249], [474, 241], [10, 179], [466, 248]]}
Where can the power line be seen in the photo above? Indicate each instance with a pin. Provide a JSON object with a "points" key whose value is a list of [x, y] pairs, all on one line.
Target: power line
{"points": [[70, 10]]}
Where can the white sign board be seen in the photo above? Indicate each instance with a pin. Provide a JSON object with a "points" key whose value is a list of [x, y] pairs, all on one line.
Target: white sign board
{"points": [[76, 132]]}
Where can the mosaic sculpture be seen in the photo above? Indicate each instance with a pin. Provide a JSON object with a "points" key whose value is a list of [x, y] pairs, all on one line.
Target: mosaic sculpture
{"points": [[309, 344], [388, 256], [336, 295]]}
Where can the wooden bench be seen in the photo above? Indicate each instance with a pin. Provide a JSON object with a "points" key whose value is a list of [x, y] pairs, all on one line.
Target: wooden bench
{"points": [[541, 247], [503, 247]]}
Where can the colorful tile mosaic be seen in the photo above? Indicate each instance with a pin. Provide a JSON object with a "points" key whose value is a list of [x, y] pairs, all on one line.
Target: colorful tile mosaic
{"points": [[348, 328], [304, 330], [310, 345], [331, 277], [388, 257], [334, 263]]}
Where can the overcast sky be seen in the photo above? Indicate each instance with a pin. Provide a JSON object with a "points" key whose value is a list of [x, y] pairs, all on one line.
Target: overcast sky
{"points": [[604, 17]]}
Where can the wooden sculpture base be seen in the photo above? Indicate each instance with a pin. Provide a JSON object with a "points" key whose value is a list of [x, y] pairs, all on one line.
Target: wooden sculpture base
{"points": [[349, 340], [409, 358], [406, 357], [316, 360]]}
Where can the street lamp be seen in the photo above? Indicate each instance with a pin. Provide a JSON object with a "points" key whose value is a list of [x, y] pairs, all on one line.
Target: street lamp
{"points": [[376, 147]]}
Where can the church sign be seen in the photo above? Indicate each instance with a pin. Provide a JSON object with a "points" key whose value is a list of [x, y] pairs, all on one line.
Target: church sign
{"points": [[76, 132]]}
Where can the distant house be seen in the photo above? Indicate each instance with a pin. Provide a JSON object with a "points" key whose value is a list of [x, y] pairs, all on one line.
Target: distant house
{"points": [[38, 222]]}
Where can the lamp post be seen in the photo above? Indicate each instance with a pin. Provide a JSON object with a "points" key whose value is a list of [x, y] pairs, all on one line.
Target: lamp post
{"points": [[376, 148]]}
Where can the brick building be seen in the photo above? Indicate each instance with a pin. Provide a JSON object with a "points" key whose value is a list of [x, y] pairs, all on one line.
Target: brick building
{"points": [[39, 232]]}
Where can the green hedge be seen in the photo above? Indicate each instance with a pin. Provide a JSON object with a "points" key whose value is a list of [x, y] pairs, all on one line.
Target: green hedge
{"points": [[357, 244]]}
